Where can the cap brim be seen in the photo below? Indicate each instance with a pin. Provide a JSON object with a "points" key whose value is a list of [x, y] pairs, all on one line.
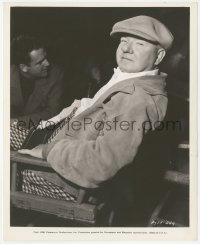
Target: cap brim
{"points": [[134, 33]]}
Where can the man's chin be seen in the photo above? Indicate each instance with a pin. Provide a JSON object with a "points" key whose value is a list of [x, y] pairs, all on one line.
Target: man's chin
{"points": [[41, 76], [128, 68], [44, 74]]}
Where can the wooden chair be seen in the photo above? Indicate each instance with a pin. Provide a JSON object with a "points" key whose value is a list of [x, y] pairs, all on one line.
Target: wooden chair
{"points": [[84, 210]]}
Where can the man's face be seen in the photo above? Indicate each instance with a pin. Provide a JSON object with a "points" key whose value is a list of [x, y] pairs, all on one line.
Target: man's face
{"points": [[136, 55], [38, 67]]}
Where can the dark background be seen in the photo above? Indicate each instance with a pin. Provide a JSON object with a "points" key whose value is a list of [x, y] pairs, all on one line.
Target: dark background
{"points": [[75, 35]]}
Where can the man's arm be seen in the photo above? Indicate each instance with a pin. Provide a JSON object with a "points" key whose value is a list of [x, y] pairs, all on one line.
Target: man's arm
{"points": [[88, 163], [62, 115]]}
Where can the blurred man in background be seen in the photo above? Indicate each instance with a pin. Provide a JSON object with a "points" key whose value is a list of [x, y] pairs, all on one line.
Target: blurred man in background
{"points": [[36, 86]]}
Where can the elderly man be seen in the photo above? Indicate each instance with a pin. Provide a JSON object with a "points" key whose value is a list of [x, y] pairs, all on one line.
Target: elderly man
{"points": [[36, 86], [106, 132]]}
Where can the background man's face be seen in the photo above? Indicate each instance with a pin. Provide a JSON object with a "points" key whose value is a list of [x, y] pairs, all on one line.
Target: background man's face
{"points": [[38, 67], [135, 55]]}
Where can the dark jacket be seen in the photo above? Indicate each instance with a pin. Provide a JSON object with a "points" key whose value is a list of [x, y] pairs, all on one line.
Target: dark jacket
{"points": [[44, 101]]}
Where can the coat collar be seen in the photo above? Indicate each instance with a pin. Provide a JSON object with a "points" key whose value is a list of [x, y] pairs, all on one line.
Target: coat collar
{"points": [[153, 85]]}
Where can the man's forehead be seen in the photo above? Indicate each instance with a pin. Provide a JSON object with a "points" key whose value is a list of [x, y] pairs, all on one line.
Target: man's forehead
{"points": [[37, 54]]}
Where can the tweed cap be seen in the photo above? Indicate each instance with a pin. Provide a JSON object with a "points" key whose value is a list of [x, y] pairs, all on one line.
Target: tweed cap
{"points": [[145, 27]]}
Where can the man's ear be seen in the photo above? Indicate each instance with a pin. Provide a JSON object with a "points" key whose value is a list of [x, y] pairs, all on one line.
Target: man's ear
{"points": [[23, 68], [160, 55]]}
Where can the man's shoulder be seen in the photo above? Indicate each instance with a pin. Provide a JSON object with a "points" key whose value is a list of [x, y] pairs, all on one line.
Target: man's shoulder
{"points": [[136, 100], [141, 95], [140, 98], [56, 69], [56, 74]]}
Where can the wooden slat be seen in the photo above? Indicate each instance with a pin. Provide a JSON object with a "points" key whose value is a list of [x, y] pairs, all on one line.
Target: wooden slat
{"points": [[14, 177], [81, 196], [183, 146], [64, 209], [22, 158], [176, 177]]}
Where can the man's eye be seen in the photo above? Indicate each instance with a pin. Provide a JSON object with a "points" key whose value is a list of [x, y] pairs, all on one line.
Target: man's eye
{"points": [[140, 43], [123, 40]]}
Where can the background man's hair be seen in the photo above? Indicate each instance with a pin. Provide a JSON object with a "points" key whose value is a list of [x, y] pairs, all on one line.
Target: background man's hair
{"points": [[21, 47]]}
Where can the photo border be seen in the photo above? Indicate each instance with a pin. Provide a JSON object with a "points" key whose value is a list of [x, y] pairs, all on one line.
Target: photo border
{"points": [[59, 233]]}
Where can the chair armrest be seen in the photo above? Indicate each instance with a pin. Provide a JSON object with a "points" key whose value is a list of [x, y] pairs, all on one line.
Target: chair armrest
{"points": [[27, 159], [17, 158], [176, 177], [184, 145]]}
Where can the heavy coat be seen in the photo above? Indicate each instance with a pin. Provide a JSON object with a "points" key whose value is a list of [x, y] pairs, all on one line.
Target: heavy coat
{"points": [[101, 140]]}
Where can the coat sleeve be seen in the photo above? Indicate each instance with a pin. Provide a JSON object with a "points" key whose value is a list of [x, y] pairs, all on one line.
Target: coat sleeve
{"points": [[52, 106], [90, 162]]}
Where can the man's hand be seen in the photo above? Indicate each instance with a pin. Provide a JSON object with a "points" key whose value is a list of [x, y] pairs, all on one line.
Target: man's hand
{"points": [[42, 125], [35, 152], [47, 123]]}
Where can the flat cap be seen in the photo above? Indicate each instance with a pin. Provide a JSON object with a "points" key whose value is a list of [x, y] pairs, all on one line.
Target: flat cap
{"points": [[145, 27]]}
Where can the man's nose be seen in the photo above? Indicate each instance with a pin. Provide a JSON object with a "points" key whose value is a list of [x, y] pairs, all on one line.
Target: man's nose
{"points": [[46, 63], [128, 47]]}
